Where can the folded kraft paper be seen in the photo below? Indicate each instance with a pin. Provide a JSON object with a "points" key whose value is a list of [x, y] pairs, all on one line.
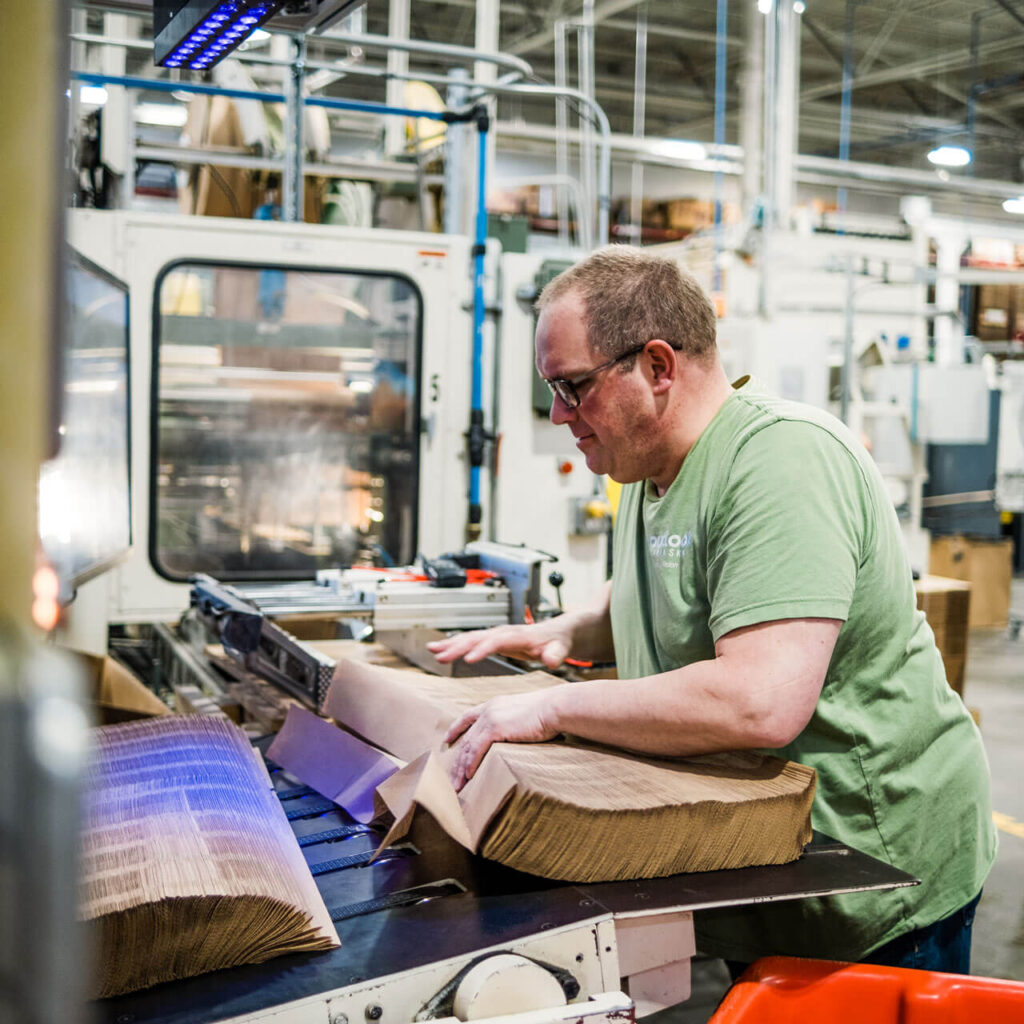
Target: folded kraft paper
{"points": [[188, 861], [563, 809]]}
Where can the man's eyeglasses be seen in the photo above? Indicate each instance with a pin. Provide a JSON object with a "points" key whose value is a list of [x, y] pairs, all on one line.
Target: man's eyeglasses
{"points": [[566, 389]]}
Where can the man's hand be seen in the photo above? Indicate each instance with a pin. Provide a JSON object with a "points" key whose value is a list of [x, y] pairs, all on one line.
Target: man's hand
{"points": [[547, 642], [517, 718]]}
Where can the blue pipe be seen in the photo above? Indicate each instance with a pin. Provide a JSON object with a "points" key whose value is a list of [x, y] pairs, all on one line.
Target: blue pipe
{"points": [[374, 108], [721, 29], [476, 414], [162, 85]]}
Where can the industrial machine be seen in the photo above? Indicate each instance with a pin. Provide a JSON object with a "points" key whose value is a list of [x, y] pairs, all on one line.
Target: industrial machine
{"points": [[300, 405], [300, 399], [431, 932]]}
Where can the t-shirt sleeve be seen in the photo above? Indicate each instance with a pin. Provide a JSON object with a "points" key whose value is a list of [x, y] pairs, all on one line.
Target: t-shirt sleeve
{"points": [[789, 530]]}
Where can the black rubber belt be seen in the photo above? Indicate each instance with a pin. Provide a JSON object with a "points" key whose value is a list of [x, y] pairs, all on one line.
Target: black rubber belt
{"points": [[342, 832], [293, 793], [395, 899], [356, 860], [360, 860], [310, 810]]}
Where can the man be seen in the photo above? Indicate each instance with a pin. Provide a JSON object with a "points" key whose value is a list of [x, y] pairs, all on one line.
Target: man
{"points": [[761, 599]]}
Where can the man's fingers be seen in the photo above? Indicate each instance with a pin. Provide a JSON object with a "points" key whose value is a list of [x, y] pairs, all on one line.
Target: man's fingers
{"points": [[473, 646], [466, 646], [462, 723], [472, 749], [554, 653]]}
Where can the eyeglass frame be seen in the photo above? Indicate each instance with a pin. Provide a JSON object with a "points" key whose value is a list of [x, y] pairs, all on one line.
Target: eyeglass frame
{"points": [[565, 388]]}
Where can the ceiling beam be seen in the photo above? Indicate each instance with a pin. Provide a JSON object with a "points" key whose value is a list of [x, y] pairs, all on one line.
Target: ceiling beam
{"points": [[951, 60], [602, 11]]}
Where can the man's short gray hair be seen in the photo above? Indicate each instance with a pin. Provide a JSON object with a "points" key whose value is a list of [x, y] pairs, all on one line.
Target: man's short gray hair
{"points": [[630, 296]]}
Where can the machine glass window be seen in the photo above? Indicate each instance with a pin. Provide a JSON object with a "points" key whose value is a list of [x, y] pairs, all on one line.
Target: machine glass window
{"points": [[285, 421], [84, 492]]}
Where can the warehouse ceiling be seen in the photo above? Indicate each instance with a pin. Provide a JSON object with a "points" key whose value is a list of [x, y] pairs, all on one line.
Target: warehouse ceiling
{"points": [[924, 72]]}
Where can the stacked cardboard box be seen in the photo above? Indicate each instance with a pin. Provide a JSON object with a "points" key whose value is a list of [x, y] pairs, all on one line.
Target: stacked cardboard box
{"points": [[116, 695], [945, 603], [563, 809], [987, 565], [1000, 311]]}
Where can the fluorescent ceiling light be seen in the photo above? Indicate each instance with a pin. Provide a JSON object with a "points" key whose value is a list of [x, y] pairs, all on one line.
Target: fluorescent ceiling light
{"points": [[1014, 205], [162, 114], [93, 95], [680, 149], [950, 156], [764, 6]]}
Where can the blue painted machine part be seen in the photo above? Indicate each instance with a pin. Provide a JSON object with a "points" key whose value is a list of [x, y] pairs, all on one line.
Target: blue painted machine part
{"points": [[477, 437]]}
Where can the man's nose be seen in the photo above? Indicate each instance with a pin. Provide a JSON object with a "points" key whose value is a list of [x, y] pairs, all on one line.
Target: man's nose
{"points": [[560, 412]]}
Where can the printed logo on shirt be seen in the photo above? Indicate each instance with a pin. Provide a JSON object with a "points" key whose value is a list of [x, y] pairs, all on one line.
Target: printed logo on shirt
{"points": [[667, 549]]}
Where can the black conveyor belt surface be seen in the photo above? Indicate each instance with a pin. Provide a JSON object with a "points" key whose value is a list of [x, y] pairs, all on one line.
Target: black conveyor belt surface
{"points": [[498, 907]]}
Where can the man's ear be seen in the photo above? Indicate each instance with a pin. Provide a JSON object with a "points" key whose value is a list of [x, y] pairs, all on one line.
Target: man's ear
{"points": [[662, 362]]}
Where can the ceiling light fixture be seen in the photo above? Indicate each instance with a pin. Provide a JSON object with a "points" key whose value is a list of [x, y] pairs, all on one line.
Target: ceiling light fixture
{"points": [[799, 7], [1014, 205], [680, 149], [765, 6], [197, 34], [92, 95], [950, 156], [163, 114]]}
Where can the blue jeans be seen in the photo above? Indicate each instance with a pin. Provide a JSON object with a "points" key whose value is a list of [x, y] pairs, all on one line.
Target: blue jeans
{"points": [[943, 946]]}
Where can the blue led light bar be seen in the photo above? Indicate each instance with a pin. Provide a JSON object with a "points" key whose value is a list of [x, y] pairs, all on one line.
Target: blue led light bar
{"points": [[197, 34]]}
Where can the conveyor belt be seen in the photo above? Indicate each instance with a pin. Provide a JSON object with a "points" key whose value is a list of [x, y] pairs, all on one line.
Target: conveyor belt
{"points": [[408, 911]]}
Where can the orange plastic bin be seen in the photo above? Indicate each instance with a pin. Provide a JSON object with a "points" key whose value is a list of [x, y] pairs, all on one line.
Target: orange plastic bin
{"points": [[785, 990]]}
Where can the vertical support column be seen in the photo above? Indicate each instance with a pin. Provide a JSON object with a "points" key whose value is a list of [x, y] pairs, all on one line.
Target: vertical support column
{"points": [[398, 64], [916, 211], [847, 105], [293, 200], [781, 87], [485, 38], [118, 140], [721, 31], [562, 135], [585, 65], [846, 370], [456, 134], [636, 190], [949, 331], [77, 56], [769, 92], [781, 81], [752, 112]]}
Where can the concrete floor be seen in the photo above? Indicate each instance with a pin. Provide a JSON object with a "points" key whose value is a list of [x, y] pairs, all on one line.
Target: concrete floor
{"points": [[994, 686]]}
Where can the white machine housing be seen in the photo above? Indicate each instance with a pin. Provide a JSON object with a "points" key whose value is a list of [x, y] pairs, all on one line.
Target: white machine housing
{"points": [[531, 498]]}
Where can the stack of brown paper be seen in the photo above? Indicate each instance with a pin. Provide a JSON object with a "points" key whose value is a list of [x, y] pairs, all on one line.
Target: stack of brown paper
{"points": [[566, 809], [188, 861]]}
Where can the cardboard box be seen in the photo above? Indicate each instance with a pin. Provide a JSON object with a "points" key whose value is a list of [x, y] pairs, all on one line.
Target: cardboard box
{"points": [[945, 603], [117, 695], [987, 565], [995, 313]]}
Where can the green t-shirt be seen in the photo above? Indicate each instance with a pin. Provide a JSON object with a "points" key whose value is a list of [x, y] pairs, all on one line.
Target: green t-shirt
{"points": [[778, 513]]}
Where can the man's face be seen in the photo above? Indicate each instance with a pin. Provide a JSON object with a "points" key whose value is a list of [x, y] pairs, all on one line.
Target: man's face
{"points": [[606, 422]]}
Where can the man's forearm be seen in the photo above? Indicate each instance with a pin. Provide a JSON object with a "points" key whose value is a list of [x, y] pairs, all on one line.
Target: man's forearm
{"points": [[591, 628], [691, 710]]}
